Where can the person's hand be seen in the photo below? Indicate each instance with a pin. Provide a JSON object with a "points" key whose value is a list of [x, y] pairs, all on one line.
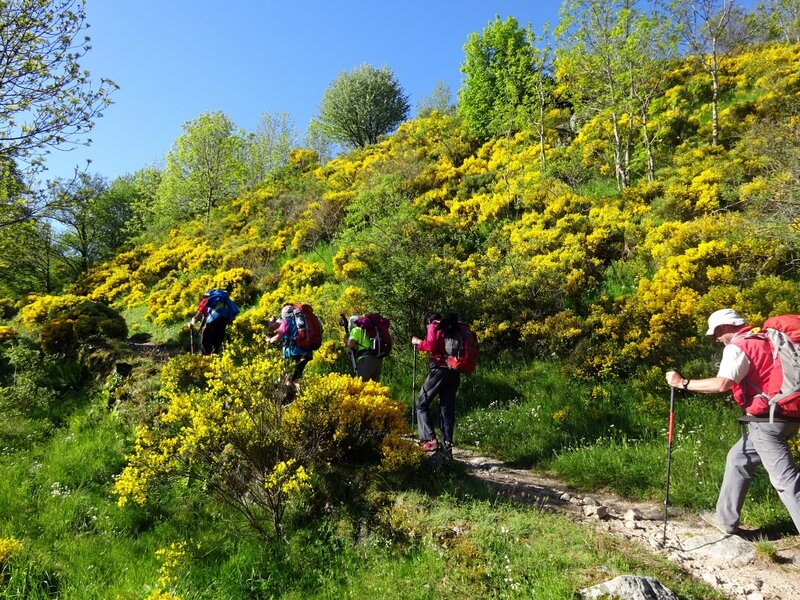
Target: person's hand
{"points": [[190, 324], [415, 341], [674, 379]]}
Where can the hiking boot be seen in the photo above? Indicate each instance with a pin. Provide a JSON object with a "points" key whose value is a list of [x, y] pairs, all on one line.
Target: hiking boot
{"points": [[430, 445], [448, 450], [710, 518]]}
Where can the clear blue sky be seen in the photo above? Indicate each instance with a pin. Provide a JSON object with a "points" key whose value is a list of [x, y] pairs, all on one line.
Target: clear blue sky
{"points": [[176, 59]]}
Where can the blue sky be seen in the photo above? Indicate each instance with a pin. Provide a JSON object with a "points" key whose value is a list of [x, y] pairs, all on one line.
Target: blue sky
{"points": [[176, 59]]}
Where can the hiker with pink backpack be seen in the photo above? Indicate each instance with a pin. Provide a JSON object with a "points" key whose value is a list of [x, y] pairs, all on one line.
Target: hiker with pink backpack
{"points": [[452, 350], [370, 341], [761, 366]]}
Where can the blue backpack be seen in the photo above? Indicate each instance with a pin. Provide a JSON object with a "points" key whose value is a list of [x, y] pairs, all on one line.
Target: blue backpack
{"points": [[220, 306]]}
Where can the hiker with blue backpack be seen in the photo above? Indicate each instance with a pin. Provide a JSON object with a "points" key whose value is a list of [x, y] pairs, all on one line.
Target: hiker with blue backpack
{"points": [[215, 311], [768, 390], [451, 346], [300, 332]]}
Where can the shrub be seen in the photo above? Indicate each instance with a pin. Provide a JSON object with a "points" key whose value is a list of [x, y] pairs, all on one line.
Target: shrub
{"points": [[63, 323], [225, 424]]}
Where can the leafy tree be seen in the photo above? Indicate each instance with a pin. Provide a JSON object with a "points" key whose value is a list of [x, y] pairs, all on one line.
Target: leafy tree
{"points": [[706, 28], [360, 106], [271, 144], [649, 52], [593, 35], [539, 95], [28, 259], [318, 142], [784, 18], [440, 100], [497, 68], [206, 166], [85, 219], [46, 99]]}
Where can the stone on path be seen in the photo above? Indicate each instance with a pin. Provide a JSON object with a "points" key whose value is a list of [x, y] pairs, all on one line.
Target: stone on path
{"points": [[628, 587]]}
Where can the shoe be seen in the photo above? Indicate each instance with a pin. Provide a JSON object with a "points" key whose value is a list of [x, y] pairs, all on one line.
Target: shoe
{"points": [[447, 450], [710, 518], [430, 445]]}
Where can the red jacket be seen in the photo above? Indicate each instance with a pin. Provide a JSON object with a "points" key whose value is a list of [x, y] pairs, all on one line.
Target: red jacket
{"points": [[434, 343]]}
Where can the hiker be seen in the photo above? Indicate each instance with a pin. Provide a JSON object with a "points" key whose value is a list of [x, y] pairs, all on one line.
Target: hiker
{"points": [[292, 331], [441, 380], [746, 364], [369, 340], [215, 311]]}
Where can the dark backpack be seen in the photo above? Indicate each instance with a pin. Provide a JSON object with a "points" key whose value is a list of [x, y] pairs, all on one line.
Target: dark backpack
{"points": [[377, 329], [307, 327], [461, 348], [220, 306]]}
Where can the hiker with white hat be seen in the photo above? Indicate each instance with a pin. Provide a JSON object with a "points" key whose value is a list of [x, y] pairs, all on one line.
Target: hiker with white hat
{"points": [[745, 368]]}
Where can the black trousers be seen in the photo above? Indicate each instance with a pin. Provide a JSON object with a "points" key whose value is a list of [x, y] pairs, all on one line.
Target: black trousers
{"points": [[443, 382], [212, 335]]}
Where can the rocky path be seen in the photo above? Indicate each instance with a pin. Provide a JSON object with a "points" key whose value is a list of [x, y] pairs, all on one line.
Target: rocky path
{"points": [[728, 563]]}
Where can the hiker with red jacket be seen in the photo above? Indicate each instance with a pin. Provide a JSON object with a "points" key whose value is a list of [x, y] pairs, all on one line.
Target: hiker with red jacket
{"points": [[215, 311], [746, 367], [441, 380]]}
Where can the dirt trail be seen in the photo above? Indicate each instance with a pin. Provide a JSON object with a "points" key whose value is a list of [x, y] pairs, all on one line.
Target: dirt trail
{"points": [[727, 563]]}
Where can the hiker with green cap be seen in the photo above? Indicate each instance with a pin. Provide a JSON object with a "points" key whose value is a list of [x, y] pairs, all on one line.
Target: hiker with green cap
{"points": [[746, 366]]}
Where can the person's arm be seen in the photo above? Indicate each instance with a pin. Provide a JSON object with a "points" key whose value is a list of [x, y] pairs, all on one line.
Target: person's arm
{"points": [[429, 343], [196, 318], [709, 385], [279, 333]]}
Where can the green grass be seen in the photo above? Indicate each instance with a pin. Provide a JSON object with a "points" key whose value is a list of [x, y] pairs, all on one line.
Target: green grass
{"points": [[450, 538]]}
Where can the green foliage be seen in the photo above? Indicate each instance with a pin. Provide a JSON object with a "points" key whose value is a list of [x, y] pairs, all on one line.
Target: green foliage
{"points": [[501, 70], [206, 166], [226, 425], [361, 105], [47, 98]]}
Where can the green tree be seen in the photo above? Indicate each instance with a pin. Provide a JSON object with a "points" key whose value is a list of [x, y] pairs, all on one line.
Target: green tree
{"points": [[649, 52], [206, 166], [46, 99], [271, 144], [317, 141], [360, 106], [440, 100], [497, 68], [28, 259], [537, 94], [706, 29], [85, 220], [783, 18], [593, 36]]}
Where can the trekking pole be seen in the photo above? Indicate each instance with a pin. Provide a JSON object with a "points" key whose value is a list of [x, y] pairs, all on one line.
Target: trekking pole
{"points": [[191, 339], [413, 388], [343, 323], [669, 457]]}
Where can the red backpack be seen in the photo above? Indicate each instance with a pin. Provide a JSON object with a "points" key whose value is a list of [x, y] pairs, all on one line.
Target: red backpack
{"points": [[776, 350], [377, 329], [462, 349], [309, 328]]}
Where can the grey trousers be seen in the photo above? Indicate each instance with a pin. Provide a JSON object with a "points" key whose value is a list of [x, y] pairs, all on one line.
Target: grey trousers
{"points": [[369, 368], [762, 444]]}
